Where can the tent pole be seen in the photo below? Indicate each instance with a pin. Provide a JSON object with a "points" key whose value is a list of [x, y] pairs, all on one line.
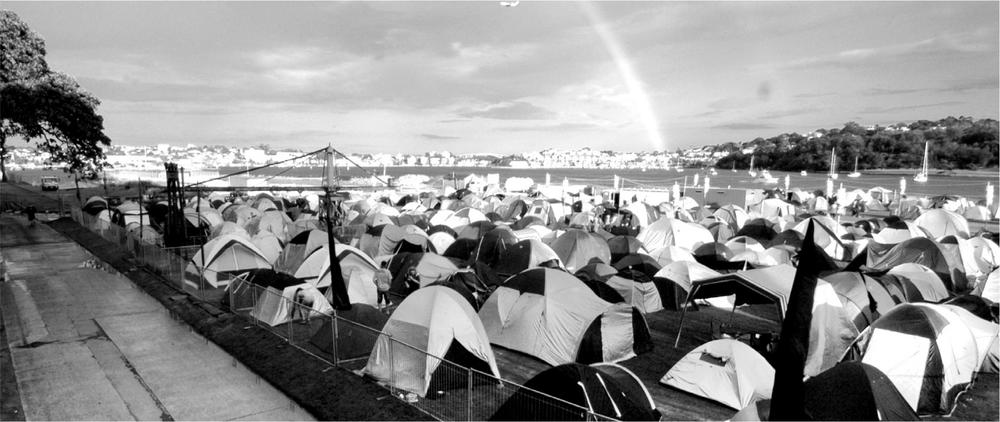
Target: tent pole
{"points": [[677, 340]]}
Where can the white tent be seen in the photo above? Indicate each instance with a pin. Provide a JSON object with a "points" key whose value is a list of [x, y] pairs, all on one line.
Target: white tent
{"points": [[223, 256], [275, 307], [726, 371], [554, 316], [431, 324]]}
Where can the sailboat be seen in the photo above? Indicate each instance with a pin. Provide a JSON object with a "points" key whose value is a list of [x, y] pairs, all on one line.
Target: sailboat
{"points": [[833, 164], [753, 173], [855, 173], [922, 176], [734, 167]]}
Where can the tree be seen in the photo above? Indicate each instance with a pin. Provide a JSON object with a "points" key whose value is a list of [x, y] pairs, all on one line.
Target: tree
{"points": [[44, 107]]}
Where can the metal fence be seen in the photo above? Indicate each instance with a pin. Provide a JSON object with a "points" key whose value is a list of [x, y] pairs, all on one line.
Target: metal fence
{"points": [[344, 340], [453, 391]]}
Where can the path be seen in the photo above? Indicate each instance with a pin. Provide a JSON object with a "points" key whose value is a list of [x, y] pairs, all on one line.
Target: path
{"points": [[87, 344]]}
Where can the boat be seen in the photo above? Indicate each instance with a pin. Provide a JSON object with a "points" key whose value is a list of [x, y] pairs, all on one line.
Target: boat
{"points": [[833, 165], [855, 173], [921, 177], [753, 173], [803, 173], [711, 170], [734, 167], [765, 177]]}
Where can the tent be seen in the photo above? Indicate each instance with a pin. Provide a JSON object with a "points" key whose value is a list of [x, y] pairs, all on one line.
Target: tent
{"points": [[388, 239], [990, 288], [269, 245], [580, 392], [673, 281], [301, 301], [726, 371], [869, 393], [221, 258], [576, 248], [552, 315], [357, 269], [865, 298], [919, 250], [939, 223], [526, 254], [299, 247], [734, 216], [432, 324], [668, 231], [832, 329], [356, 335], [928, 283], [929, 352]]}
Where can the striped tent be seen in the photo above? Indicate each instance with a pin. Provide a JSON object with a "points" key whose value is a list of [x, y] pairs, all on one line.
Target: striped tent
{"points": [[929, 351], [552, 315]]}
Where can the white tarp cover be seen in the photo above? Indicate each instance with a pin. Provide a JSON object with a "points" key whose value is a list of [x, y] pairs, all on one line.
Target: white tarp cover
{"points": [[726, 371], [428, 320]]}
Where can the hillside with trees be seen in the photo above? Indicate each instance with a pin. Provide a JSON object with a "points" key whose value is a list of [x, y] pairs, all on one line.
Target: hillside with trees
{"points": [[955, 144]]}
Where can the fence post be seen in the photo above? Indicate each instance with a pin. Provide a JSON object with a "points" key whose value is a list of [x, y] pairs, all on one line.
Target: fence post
{"points": [[336, 337], [468, 397], [392, 364]]}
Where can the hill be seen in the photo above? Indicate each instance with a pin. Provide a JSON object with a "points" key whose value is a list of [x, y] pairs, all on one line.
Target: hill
{"points": [[954, 143]]}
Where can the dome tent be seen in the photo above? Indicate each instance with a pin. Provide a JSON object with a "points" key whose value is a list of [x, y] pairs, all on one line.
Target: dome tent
{"points": [[726, 370], [608, 390], [436, 323], [552, 315]]}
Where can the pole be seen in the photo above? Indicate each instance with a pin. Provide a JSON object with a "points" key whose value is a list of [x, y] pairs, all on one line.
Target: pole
{"points": [[340, 299], [76, 179]]}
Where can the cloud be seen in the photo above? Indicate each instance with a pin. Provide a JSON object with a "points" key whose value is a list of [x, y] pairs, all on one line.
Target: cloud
{"points": [[518, 110], [872, 92], [550, 128], [744, 126], [434, 137], [875, 110], [939, 47]]}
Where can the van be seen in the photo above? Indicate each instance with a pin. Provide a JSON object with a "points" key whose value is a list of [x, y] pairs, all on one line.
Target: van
{"points": [[50, 183]]}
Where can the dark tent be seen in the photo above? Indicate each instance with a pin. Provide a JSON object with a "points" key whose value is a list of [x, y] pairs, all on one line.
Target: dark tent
{"points": [[515, 210], [623, 245], [918, 250], [637, 266], [494, 245], [788, 237], [526, 254], [760, 229], [608, 390], [850, 391], [462, 249], [475, 230], [526, 221], [265, 278], [716, 256], [975, 304], [442, 228], [461, 287], [356, 338]]}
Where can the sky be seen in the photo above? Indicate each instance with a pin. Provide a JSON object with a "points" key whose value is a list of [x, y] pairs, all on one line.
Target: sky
{"points": [[467, 77]]}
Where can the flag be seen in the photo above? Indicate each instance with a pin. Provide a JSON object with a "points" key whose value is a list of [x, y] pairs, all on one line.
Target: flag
{"points": [[787, 397]]}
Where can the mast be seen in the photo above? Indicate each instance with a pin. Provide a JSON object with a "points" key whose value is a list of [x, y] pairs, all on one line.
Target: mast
{"points": [[340, 301]]}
